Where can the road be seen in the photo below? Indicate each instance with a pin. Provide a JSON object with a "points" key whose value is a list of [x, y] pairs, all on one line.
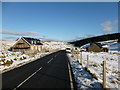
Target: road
{"points": [[51, 71]]}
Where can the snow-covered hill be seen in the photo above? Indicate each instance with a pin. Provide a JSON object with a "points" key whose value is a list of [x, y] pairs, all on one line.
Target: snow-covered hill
{"points": [[113, 46], [5, 45], [55, 45]]}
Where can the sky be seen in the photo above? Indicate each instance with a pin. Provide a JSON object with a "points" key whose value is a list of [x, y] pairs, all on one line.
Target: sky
{"points": [[64, 21]]}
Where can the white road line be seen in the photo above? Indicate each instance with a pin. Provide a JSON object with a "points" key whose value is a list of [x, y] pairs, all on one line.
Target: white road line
{"points": [[56, 55], [71, 81], [33, 73], [28, 78], [50, 60]]}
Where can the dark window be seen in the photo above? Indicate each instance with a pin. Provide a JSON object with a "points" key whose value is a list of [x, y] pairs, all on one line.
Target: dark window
{"points": [[19, 43], [22, 48]]}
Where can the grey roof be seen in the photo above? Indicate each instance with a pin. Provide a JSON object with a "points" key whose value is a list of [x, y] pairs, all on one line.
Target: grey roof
{"points": [[29, 40], [98, 44]]}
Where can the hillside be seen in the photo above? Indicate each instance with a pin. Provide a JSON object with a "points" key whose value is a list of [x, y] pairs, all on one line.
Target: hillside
{"points": [[107, 37], [113, 45]]}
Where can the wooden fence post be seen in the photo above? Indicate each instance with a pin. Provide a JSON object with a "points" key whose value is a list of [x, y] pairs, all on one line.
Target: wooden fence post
{"points": [[87, 62], [74, 54], [81, 57], [77, 55], [104, 74]]}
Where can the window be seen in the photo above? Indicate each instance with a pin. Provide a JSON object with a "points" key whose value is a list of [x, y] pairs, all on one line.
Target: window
{"points": [[19, 43], [32, 42], [38, 41]]}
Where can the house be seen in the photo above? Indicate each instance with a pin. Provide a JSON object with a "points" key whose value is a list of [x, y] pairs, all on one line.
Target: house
{"points": [[26, 43], [97, 47]]}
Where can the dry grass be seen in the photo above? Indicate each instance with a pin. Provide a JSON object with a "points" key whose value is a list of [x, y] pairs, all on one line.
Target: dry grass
{"points": [[22, 58], [15, 59], [2, 56], [95, 65], [2, 60], [118, 78], [8, 63]]}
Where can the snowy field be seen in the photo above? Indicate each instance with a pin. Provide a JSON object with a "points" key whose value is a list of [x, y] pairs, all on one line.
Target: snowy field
{"points": [[96, 66], [111, 58], [10, 60], [55, 45]]}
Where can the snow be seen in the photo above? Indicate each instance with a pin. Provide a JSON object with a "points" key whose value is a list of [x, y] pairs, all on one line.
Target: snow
{"points": [[96, 62], [10, 60], [112, 45], [105, 46], [55, 45], [96, 66], [17, 59], [82, 77]]}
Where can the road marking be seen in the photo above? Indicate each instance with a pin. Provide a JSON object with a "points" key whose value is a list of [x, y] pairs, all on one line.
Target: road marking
{"points": [[56, 54], [71, 81], [50, 60], [28, 78]]}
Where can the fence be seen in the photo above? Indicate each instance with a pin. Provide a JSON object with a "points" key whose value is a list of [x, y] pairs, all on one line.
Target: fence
{"points": [[86, 63]]}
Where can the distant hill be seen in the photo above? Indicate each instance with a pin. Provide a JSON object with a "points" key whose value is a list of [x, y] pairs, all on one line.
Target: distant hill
{"points": [[107, 37]]}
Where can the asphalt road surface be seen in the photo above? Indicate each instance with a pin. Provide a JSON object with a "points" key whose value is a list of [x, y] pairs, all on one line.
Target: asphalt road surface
{"points": [[51, 71]]}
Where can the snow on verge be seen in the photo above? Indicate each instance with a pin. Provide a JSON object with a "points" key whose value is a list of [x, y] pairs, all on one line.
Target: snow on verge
{"points": [[96, 66], [10, 60], [82, 77]]}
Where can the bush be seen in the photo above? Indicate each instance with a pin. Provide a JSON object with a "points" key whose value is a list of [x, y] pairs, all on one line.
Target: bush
{"points": [[95, 65], [21, 58], [24, 57], [15, 59], [101, 64], [2, 60], [8, 63], [2, 56]]}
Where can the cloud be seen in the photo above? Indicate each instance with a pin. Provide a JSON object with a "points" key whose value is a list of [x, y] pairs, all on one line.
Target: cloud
{"points": [[109, 26], [81, 37], [90, 35], [19, 33], [87, 36], [116, 21], [29, 33], [8, 38]]}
